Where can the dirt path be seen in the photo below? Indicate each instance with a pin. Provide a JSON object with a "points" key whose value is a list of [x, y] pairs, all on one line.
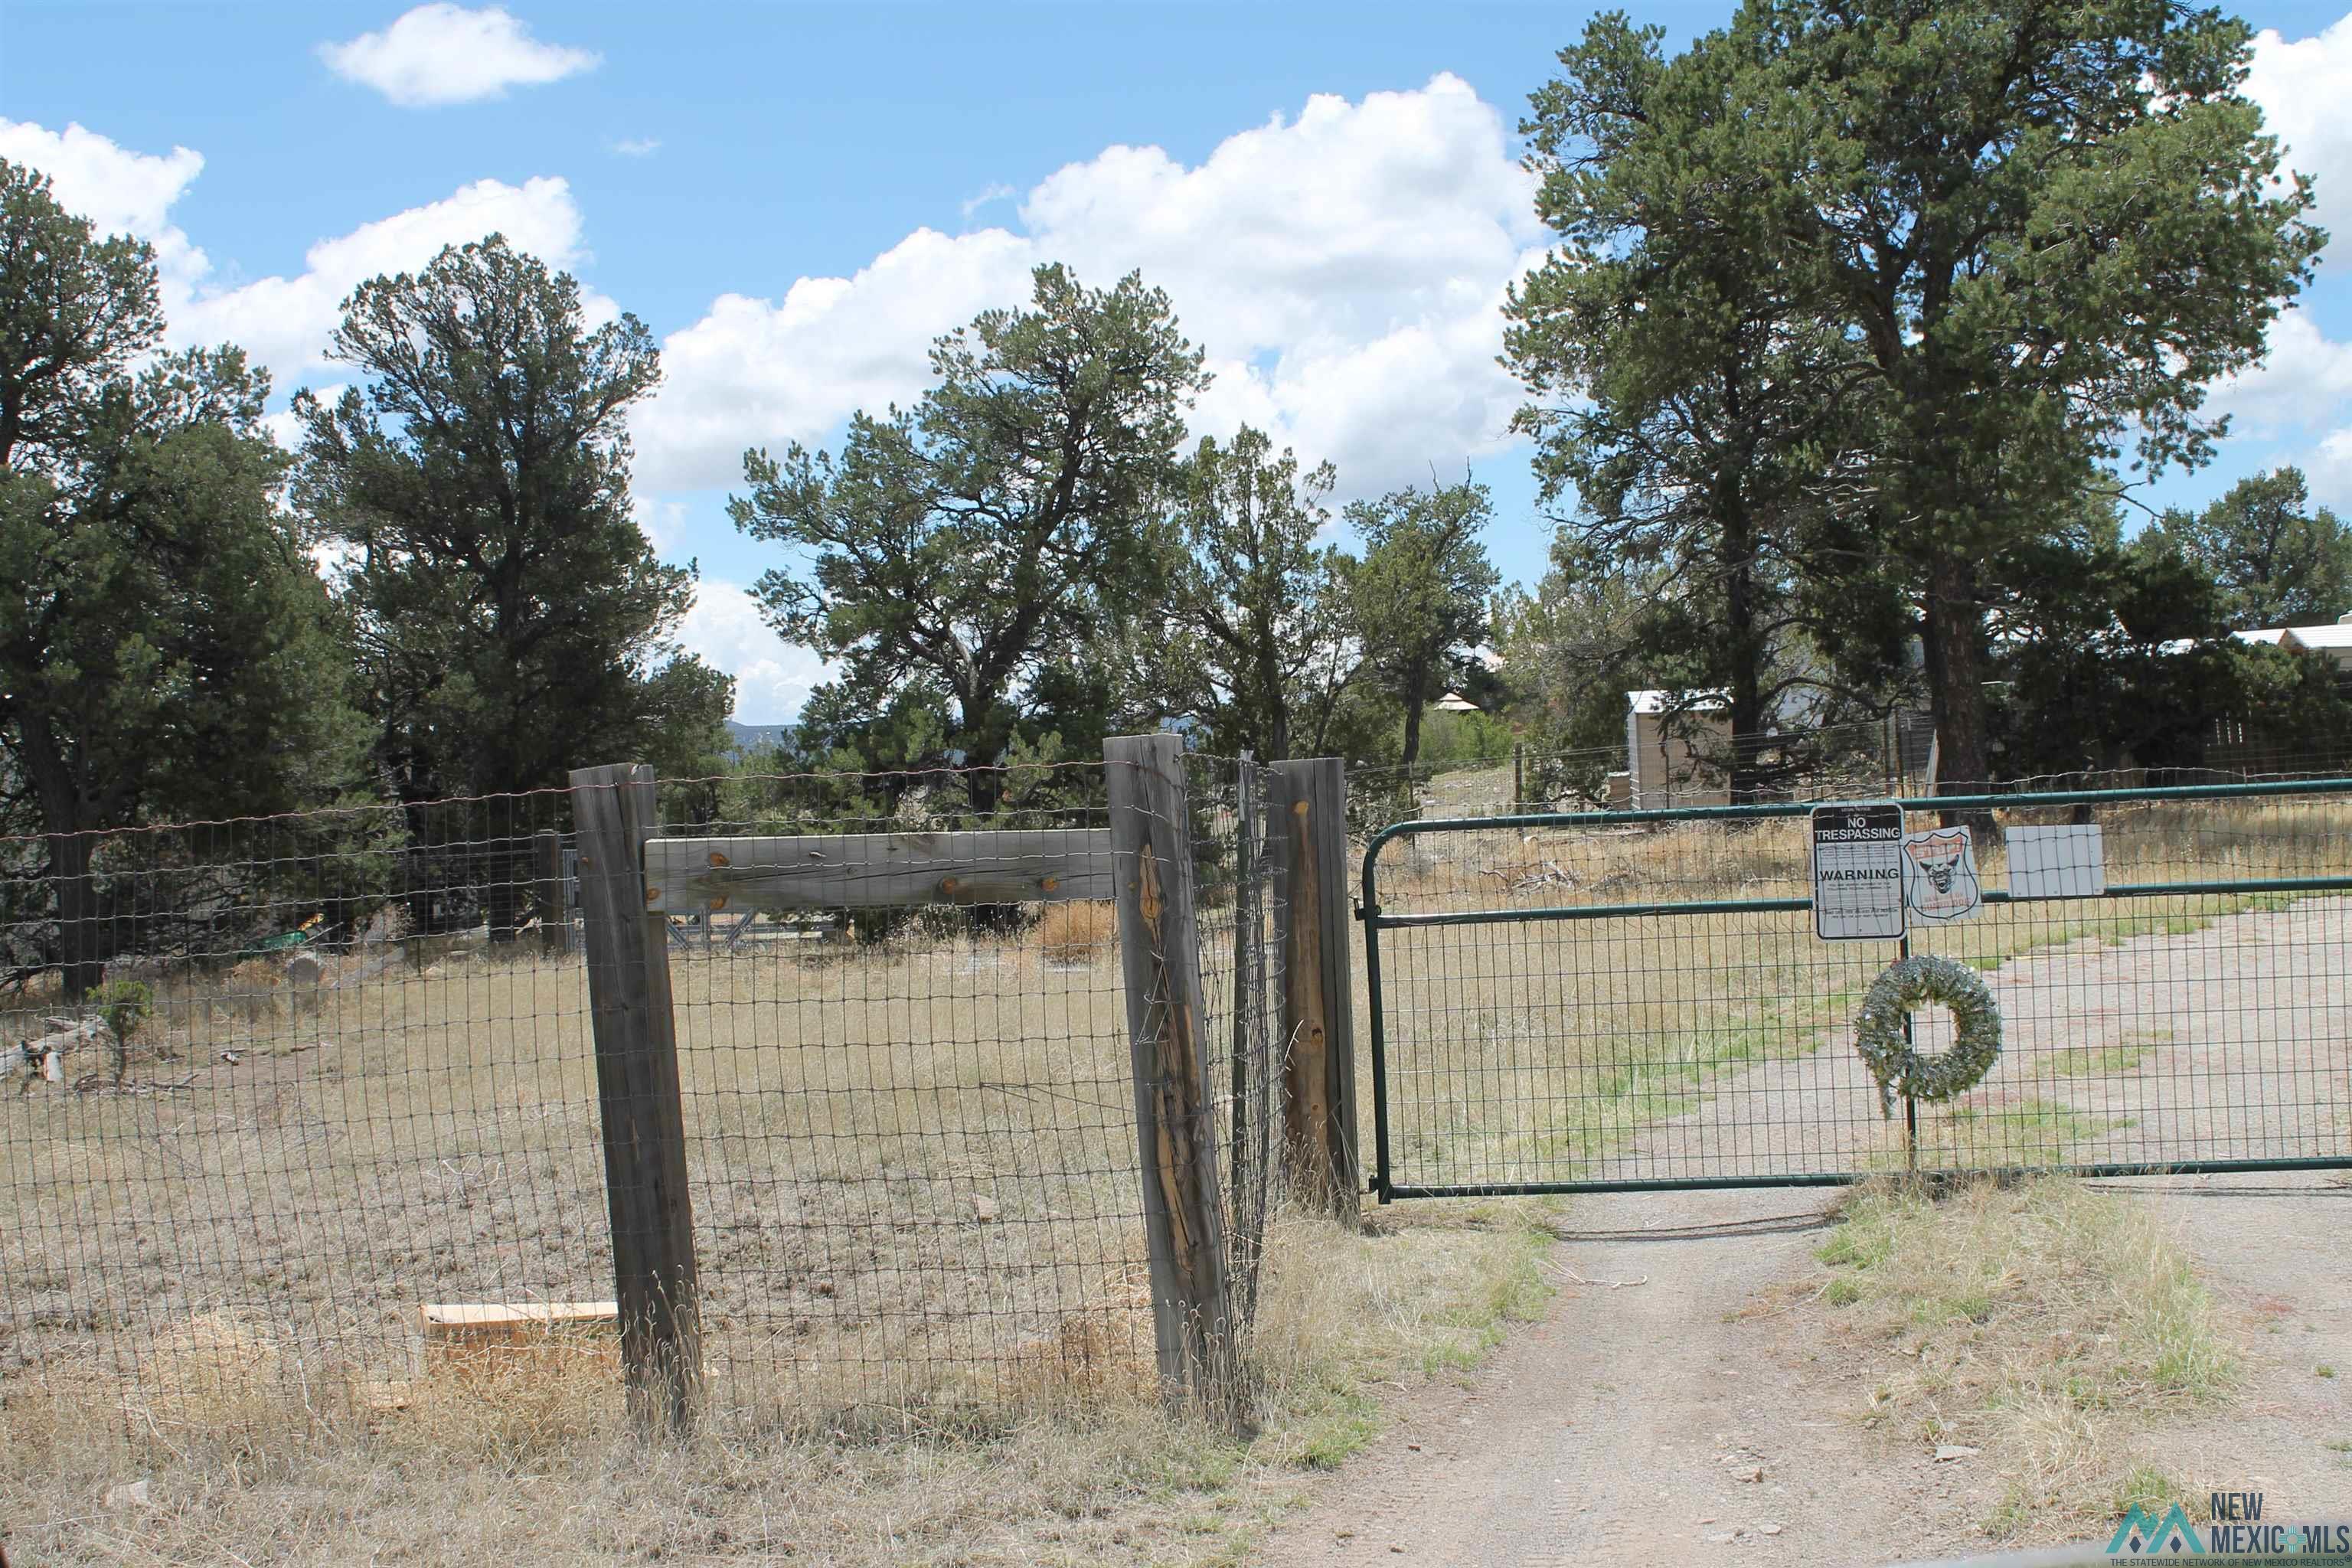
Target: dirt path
{"points": [[1676, 1407], [1622, 1427]]}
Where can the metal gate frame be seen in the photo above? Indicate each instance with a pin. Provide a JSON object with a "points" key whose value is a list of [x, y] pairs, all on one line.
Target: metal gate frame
{"points": [[1388, 1190]]}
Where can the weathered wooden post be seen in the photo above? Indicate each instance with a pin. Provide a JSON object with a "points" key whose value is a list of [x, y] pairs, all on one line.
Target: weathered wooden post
{"points": [[1319, 1109], [1158, 942], [548, 891], [642, 1114]]}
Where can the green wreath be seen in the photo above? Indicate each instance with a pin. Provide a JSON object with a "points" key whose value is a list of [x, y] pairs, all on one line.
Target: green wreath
{"points": [[1886, 1005]]}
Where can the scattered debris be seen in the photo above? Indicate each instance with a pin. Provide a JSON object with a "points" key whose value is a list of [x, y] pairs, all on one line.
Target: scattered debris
{"points": [[983, 1208], [127, 1494], [1947, 1452], [1574, 1278]]}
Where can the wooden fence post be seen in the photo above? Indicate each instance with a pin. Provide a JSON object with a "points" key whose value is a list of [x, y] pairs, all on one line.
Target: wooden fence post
{"points": [[1158, 943], [549, 891], [643, 1117], [1318, 1017]]}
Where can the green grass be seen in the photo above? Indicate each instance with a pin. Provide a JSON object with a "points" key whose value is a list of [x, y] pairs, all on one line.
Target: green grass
{"points": [[2101, 1061]]}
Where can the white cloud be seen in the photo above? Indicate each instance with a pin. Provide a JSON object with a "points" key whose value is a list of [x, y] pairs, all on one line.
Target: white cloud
{"points": [[2305, 383], [756, 373], [662, 521], [1344, 269], [772, 676], [120, 191], [2330, 471], [995, 193], [440, 53], [2302, 379], [283, 322], [2301, 86], [638, 147]]}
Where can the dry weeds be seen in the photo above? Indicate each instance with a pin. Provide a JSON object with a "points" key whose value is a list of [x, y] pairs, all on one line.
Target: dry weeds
{"points": [[532, 1467], [1080, 932], [2054, 1326]]}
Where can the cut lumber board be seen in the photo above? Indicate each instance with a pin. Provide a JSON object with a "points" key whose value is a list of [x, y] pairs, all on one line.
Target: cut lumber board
{"points": [[871, 871], [467, 1335]]}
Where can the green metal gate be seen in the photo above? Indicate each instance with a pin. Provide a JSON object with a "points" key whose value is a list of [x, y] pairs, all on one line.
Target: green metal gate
{"points": [[1639, 999]]}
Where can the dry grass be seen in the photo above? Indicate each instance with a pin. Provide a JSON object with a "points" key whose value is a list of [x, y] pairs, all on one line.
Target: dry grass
{"points": [[2054, 1326], [1078, 932], [532, 1467]]}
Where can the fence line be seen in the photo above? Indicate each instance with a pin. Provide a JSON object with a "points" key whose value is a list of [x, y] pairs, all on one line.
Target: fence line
{"points": [[348, 1158]]}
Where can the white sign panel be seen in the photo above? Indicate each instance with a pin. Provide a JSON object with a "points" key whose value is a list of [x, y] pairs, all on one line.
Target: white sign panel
{"points": [[1939, 875], [1857, 871], [2057, 862]]}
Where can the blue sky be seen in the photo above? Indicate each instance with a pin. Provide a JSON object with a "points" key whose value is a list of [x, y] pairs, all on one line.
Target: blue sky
{"points": [[796, 197]]}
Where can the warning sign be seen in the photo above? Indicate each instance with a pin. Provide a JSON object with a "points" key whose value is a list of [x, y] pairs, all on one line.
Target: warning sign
{"points": [[1939, 875], [1857, 871]]}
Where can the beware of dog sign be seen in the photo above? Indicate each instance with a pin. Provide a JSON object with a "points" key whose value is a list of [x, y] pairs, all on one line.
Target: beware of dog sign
{"points": [[1939, 875]]}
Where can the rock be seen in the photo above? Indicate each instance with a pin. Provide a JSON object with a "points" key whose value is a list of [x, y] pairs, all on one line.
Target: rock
{"points": [[128, 1494], [304, 969], [1767, 1530], [1709, 1519], [1723, 1537], [983, 1208], [1947, 1452], [1749, 1473]]}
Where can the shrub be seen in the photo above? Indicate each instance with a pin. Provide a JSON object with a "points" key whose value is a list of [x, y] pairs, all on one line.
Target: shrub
{"points": [[1078, 932]]}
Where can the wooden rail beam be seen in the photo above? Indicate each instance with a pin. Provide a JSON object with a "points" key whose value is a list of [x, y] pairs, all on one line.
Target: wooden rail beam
{"points": [[871, 871]]}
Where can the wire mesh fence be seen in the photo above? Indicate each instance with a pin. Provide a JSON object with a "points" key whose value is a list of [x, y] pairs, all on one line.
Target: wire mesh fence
{"points": [[319, 1142], [1604, 1002], [1242, 897], [1876, 758]]}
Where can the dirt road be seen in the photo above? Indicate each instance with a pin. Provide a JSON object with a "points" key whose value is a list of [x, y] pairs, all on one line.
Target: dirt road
{"points": [[1627, 1427]]}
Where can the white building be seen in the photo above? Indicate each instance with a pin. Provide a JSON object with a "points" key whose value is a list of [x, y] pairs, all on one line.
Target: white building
{"points": [[1669, 738], [2332, 639]]}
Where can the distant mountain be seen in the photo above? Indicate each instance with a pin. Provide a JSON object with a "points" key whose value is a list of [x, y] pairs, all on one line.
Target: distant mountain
{"points": [[751, 737]]}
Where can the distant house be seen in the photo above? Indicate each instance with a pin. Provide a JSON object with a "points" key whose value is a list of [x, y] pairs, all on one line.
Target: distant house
{"points": [[1669, 737], [1454, 702], [2330, 639]]}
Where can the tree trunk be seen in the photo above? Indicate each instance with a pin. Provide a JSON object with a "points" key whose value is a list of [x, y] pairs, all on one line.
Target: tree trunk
{"points": [[81, 946], [1747, 658], [1954, 644], [1416, 697], [1277, 706]]}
